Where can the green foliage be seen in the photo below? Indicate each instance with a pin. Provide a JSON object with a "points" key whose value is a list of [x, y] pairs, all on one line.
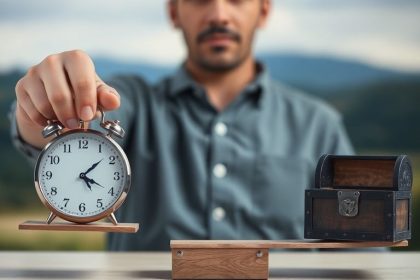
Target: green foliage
{"points": [[383, 115], [16, 184], [14, 239]]}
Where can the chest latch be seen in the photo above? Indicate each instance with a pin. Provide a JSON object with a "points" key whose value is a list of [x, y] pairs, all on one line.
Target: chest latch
{"points": [[348, 203]]}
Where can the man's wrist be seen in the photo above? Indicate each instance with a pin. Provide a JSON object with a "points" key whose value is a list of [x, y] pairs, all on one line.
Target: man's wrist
{"points": [[27, 149]]}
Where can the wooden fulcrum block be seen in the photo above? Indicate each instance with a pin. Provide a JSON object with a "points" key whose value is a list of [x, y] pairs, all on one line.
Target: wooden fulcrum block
{"points": [[224, 263]]}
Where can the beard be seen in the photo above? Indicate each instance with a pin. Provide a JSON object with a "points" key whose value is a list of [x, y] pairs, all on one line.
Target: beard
{"points": [[217, 65]]}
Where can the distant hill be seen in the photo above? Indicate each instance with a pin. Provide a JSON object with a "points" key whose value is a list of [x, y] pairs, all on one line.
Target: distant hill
{"points": [[106, 67], [321, 75], [326, 75]]}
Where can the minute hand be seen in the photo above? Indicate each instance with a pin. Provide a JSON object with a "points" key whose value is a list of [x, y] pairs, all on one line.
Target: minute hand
{"points": [[92, 167]]}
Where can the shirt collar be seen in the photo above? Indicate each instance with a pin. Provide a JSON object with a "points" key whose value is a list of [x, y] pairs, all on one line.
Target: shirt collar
{"points": [[182, 81]]}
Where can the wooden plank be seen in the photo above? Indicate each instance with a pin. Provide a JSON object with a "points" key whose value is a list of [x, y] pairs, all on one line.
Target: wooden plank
{"points": [[67, 226], [243, 259], [220, 264], [281, 244]]}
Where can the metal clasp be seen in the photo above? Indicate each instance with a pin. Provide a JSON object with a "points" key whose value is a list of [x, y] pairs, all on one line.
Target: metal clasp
{"points": [[348, 203], [113, 127]]}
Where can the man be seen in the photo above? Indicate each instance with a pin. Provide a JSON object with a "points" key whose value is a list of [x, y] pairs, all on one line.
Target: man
{"points": [[218, 150]]}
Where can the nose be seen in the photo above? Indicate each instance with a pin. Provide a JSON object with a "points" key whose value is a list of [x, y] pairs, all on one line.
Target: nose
{"points": [[218, 13]]}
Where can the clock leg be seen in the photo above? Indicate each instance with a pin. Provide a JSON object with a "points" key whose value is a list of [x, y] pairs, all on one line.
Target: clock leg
{"points": [[51, 217], [113, 219]]}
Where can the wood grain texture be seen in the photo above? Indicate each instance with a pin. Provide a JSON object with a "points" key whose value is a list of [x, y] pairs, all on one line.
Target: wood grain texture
{"points": [[67, 226], [363, 173], [370, 218], [220, 264], [281, 244], [377, 219], [402, 214]]}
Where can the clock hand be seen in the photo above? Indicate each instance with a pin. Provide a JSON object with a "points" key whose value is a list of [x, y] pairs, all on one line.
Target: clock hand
{"points": [[93, 181], [92, 167], [85, 179], [88, 185]]}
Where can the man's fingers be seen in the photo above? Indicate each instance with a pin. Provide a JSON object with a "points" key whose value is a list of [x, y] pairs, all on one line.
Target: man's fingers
{"points": [[65, 87], [38, 96], [27, 110], [108, 97], [81, 74], [58, 91]]}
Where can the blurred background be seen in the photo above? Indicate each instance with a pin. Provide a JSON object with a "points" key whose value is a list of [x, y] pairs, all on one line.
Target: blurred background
{"points": [[361, 56]]}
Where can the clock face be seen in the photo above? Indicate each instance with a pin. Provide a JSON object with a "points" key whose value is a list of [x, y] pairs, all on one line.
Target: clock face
{"points": [[82, 174]]}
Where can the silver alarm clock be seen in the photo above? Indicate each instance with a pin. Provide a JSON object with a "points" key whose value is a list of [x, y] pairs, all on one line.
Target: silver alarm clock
{"points": [[82, 175]]}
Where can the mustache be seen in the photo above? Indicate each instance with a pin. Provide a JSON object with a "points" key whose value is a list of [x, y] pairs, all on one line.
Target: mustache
{"points": [[208, 32]]}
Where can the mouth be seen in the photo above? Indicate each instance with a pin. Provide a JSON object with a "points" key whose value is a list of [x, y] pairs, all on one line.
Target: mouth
{"points": [[218, 39]]}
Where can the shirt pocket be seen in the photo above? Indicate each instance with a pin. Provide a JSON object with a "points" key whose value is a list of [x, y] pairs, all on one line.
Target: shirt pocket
{"points": [[279, 194]]}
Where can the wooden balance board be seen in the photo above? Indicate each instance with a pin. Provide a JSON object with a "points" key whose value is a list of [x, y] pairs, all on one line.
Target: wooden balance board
{"points": [[243, 259]]}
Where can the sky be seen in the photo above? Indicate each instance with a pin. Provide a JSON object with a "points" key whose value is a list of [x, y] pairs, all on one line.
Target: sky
{"points": [[384, 33]]}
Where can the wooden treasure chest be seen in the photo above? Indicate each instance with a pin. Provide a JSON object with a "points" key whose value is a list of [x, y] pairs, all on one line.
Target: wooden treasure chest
{"points": [[360, 198]]}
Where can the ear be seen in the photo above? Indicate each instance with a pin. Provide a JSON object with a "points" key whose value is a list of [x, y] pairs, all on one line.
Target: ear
{"points": [[265, 12], [172, 10]]}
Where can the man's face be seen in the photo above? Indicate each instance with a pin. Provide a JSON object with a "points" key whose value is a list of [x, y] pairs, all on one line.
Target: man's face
{"points": [[218, 33]]}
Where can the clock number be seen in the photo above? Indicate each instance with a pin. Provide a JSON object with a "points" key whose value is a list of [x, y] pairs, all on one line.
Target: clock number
{"points": [[66, 200], [83, 144], [82, 207], [48, 175], [53, 191], [54, 159], [111, 159], [100, 148], [67, 148], [111, 191], [117, 176], [99, 203]]}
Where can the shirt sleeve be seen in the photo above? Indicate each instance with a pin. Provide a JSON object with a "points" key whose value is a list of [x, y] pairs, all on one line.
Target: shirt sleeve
{"points": [[30, 152]]}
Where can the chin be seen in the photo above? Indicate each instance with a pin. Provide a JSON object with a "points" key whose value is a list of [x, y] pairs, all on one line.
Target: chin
{"points": [[220, 59], [219, 66]]}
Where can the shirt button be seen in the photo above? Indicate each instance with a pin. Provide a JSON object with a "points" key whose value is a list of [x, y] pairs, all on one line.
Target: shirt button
{"points": [[219, 170], [219, 214], [220, 128]]}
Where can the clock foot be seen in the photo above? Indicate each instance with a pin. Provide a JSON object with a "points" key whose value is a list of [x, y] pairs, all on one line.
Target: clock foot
{"points": [[113, 219], [51, 218]]}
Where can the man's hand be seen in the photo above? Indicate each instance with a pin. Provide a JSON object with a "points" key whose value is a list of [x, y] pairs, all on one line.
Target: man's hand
{"points": [[64, 87]]}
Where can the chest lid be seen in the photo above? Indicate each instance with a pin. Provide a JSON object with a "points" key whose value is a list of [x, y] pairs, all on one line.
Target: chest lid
{"points": [[364, 172]]}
